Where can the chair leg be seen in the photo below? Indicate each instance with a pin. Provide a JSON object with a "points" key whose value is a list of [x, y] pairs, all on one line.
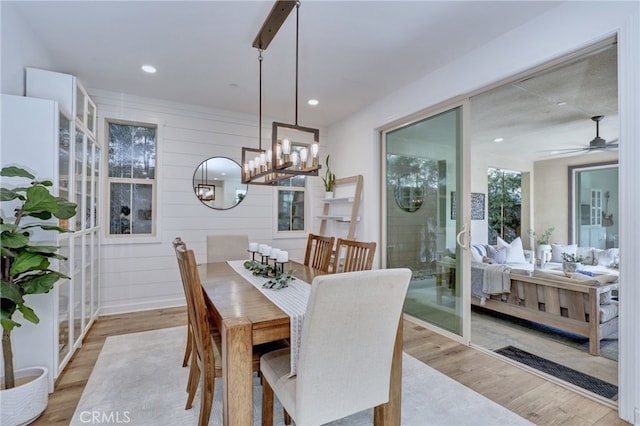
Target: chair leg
{"points": [[206, 400], [287, 417], [187, 350], [192, 383], [267, 404]]}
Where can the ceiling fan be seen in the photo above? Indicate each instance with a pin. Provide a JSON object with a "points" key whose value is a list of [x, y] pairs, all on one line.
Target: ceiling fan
{"points": [[596, 144]]}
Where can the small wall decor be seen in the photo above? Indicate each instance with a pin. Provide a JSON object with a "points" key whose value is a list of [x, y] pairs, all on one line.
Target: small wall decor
{"points": [[477, 205]]}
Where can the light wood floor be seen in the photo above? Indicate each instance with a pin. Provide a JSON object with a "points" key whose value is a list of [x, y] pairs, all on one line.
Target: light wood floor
{"points": [[533, 398]]}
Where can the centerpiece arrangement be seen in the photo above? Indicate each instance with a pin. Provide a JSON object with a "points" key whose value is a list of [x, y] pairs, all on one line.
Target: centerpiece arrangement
{"points": [[571, 262], [278, 277]]}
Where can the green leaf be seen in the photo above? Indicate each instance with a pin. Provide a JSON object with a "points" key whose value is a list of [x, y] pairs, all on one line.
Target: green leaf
{"points": [[45, 250], [46, 183], [13, 171], [40, 200], [36, 284], [8, 195], [8, 324], [66, 209], [14, 240], [27, 261], [11, 292], [28, 314], [41, 215], [7, 226]]}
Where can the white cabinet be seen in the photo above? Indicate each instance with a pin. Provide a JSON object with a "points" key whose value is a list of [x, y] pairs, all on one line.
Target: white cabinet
{"points": [[340, 213], [38, 135]]}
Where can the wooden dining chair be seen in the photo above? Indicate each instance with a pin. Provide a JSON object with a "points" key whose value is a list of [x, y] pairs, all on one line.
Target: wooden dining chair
{"points": [[206, 358], [319, 250], [221, 248], [357, 256], [346, 348], [177, 242]]}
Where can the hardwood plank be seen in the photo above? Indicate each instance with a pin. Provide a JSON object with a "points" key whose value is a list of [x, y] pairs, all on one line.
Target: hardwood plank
{"points": [[530, 396]]}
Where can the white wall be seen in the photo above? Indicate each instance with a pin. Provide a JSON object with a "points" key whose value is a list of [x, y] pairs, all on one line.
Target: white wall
{"points": [[28, 52], [139, 276], [355, 145]]}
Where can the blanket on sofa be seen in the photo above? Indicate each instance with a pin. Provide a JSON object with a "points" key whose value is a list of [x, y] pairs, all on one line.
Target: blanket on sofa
{"points": [[496, 279]]}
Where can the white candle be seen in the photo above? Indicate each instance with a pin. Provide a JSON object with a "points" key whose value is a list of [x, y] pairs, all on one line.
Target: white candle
{"points": [[274, 253], [261, 248], [283, 256], [253, 247], [267, 251]]}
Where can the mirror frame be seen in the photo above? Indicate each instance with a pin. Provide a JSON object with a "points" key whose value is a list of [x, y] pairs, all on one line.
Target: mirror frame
{"points": [[205, 189]]}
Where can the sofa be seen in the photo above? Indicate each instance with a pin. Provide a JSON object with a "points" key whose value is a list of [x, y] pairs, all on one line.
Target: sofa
{"points": [[596, 261]]}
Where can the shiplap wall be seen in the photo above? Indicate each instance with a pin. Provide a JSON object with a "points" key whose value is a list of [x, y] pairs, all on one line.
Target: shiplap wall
{"points": [[144, 275]]}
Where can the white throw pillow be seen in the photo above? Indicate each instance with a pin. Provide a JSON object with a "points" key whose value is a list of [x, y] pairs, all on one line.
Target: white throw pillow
{"points": [[558, 249], [587, 253], [515, 252], [478, 251]]}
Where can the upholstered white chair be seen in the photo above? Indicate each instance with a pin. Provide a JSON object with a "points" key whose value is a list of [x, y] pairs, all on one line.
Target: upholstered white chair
{"points": [[346, 348], [221, 248]]}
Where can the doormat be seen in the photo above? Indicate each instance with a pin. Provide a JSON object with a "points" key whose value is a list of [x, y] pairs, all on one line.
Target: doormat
{"points": [[590, 383]]}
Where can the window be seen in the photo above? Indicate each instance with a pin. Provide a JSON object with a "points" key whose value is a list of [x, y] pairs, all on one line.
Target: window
{"points": [[131, 178], [291, 204], [505, 204]]}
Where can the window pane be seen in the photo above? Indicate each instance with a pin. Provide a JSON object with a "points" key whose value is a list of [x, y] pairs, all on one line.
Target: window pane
{"points": [[290, 210], [132, 151], [131, 208], [505, 204], [295, 181]]}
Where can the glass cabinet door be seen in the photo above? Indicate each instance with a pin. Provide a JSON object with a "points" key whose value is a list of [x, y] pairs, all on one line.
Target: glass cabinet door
{"points": [[79, 174], [77, 287], [64, 304], [95, 278]]}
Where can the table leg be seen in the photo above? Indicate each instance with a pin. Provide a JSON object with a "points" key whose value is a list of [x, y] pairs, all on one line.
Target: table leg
{"points": [[389, 414], [237, 373]]}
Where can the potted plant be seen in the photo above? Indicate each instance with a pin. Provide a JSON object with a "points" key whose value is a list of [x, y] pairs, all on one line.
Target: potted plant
{"points": [[542, 242], [571, 262], [24, 271], [329, 180]]}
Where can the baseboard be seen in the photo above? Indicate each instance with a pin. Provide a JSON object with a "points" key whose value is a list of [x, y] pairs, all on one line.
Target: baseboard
{"points": [[116, 309]]}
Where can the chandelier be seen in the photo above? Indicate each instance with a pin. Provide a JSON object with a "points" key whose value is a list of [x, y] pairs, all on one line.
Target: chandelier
{"points": [[294, 148]]}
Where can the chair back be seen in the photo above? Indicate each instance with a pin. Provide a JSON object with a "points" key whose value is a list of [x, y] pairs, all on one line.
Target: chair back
{"points": [[196, 305], [318, 254], [221, 248], [347, 343], [357, 256]]}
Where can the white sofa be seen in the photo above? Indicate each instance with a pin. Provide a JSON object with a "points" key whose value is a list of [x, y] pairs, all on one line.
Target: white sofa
{"points": [[511, 254], [596, 261]]}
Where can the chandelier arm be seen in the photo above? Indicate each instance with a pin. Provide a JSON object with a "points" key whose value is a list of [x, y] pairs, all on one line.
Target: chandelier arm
{"points": [[297, 38], [260, 100]]}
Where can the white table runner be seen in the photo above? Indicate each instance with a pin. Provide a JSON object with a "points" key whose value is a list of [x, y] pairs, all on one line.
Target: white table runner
{"points": [[292, 300]]}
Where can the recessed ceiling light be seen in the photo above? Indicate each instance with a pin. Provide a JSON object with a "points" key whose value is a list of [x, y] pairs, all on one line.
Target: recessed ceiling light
{"points": [[313, 102], [233, 85], [498, 140], [149, 69], [561, 103]]}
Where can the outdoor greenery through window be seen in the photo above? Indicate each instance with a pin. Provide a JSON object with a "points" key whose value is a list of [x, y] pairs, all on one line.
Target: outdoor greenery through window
{"points": [[131, 178], [291, 204], [505, 204]]}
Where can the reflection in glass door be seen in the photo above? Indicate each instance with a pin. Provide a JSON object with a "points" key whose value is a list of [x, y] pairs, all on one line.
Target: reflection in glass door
{"points": [[422, 179]]}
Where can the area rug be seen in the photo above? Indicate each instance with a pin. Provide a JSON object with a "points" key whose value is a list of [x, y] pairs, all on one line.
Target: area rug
{"points": [[590, 383], [608, 345], [138, 380]]}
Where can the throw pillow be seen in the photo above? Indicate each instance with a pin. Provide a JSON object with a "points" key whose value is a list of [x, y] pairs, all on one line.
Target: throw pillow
{"points": [[498, 255], [609, 257], [478, 252], [558, 249], [587, 253], [515, 252]]}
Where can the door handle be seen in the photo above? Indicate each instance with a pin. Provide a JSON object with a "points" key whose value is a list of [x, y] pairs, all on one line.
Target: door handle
{"points": [[461, 234]]}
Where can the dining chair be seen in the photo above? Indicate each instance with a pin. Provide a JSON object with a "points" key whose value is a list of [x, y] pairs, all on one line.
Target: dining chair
{"points": [[206, 358], [346, 348], [319, 250], [357, 256], [177, 242], [221, 248]]}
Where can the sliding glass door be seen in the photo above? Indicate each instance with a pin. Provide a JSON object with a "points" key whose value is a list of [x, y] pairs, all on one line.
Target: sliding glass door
{"points": [[423, 215]]}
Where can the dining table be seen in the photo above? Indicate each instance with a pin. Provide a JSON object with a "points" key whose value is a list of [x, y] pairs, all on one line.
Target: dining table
{"points": [[246, 317]]}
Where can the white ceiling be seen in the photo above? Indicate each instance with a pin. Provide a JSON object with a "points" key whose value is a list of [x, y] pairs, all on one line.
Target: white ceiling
{"points": [[351, 53]]}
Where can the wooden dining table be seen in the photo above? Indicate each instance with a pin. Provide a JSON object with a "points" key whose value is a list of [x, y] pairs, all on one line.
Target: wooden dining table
{"points": [[246, 317]]}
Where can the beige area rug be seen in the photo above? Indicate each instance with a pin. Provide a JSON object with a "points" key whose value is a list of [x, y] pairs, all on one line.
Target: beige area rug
{"points": [[138, 380]]}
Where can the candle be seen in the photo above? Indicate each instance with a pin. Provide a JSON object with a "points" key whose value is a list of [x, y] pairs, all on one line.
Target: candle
{"points": [[253, 247], [283, 256], [267, 251], [261, 248], [274, 253]]}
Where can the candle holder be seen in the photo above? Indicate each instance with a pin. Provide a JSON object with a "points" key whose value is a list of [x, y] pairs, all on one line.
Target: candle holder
{"points": [[253, 255], [279, 266]]}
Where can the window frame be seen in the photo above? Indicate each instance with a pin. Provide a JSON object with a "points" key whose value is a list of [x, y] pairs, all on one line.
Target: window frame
{"points": [[302, 233], [154, 236]]}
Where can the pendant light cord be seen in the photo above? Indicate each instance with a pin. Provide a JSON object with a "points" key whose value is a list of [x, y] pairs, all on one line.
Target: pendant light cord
{"points": [[297, 26], [260, 101]]}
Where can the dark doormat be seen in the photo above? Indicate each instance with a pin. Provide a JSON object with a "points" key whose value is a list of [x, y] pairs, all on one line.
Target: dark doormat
{"points": [[590, 383]]}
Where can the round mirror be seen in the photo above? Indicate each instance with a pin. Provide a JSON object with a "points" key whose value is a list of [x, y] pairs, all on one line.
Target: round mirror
{"points": [[217, 183]]}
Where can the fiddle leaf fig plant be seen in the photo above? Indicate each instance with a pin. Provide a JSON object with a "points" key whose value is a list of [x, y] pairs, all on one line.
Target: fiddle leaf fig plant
{"points": [[25, 263]]}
